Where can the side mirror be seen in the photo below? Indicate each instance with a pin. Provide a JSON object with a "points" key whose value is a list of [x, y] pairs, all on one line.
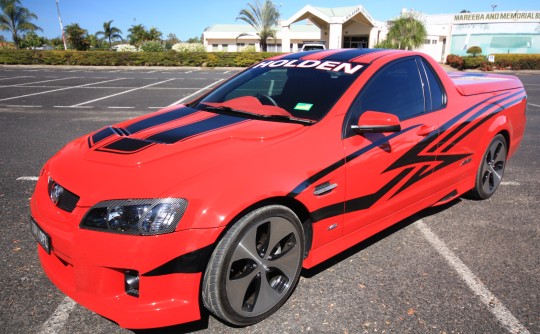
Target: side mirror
{"points": [[377, 122]]}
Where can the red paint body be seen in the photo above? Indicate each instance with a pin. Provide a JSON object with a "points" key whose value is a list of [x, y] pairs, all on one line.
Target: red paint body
{"points": [[225, 172]]}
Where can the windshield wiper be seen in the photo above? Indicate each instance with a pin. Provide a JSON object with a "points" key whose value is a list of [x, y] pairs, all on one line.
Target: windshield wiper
{"points": [[248, 114]]}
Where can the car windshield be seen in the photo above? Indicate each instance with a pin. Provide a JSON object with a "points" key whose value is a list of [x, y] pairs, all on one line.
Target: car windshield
{"points": [[277, 89]]}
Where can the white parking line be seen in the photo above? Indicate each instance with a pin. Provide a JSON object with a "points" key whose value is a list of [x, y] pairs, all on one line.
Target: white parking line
{"points": [[505, 317], [59, 89], [120, 107], [74, 107], [28, 178], [58, 319], [21, 76], [127, 91], [510, 183], [36, 82], [21, 106], [196, 93], [534, 105]]}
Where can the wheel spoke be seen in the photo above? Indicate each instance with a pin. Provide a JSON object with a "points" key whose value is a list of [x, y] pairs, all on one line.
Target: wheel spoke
{"points": [[237, 289], [288, 262], [268, 297], [247, 248], [279, 229], [495, 175]]}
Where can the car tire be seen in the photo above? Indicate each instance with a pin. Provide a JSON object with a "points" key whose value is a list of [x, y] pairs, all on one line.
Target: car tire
{"points": [[491, 169], [255, 266]]}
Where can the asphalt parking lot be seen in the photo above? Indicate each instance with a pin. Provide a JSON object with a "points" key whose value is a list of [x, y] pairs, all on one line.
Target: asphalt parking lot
{"points": [[467, 267]]}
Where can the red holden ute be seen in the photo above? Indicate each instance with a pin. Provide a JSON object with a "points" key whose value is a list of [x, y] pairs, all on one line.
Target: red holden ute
{"points": [[219, 203]]}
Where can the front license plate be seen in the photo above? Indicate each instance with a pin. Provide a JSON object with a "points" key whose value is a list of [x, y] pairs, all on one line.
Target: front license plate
{"points": [[42, 238]]}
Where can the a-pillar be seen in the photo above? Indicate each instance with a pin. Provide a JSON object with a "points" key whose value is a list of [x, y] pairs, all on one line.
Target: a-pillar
{"points": [[334, 38]]}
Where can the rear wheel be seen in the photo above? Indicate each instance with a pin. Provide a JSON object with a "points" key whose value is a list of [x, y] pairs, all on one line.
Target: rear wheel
{"points": [[255, 266], [491, 169]]}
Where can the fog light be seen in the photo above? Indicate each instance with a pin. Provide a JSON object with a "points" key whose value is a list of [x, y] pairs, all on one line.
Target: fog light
{"points": [[131, 282]]}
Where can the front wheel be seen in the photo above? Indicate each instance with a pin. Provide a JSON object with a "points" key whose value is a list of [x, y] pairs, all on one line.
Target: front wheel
{"points": [[491, 169], [255, 266]]}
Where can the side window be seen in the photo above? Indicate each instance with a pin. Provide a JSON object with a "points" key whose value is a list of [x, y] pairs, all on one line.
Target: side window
{"points": [[395, 89], [438, 95]]}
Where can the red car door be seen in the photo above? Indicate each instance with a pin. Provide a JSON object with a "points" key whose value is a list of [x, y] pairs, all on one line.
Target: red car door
{"points": [[388, 172]]}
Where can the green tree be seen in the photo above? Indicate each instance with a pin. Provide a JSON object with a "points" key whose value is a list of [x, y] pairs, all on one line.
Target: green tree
{"points": [[474, 50], [109, 32], [406, 33], [194, 40], [171, 40], [77, 37], [263, 18], [17, 20], [153, 34], [32, 40], [137, 34]]}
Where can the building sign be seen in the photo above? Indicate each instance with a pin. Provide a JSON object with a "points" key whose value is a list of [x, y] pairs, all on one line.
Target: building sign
{"points": [[497, 16], [364, 12]]}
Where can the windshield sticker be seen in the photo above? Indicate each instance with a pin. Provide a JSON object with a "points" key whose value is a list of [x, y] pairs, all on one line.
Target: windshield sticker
{"points": [[334, 66], [303, 106]]}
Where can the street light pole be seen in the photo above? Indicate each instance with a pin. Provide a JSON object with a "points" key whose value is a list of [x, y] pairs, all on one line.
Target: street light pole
{"points": [[61, 26], [493, 7]]}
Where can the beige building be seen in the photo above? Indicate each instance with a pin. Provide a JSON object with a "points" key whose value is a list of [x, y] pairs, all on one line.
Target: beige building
{"points": [[354, 27]]}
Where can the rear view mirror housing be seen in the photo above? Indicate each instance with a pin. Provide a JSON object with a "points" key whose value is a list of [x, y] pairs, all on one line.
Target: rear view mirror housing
{"points": [[377, 122]]}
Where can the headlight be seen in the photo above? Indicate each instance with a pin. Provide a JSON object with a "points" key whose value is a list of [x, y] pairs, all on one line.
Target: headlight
{"points": [[137, 216]]}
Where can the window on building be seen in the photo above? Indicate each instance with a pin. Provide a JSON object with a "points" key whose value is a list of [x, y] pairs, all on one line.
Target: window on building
{"points": [[240, 46], [215, 47], [356, 42], [510, 42], [427, 41], [225, 47], [274, 48], [434, 41]]}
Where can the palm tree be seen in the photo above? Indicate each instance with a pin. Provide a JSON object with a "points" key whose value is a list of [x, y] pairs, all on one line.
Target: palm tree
{"points": [[262, 17], [137, 34], [77, 37], [154, 34], [407, 32], [109, 32], [16, 19]]}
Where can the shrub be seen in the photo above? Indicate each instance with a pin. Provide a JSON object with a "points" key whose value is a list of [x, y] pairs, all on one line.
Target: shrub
{"points": [[152, 46], [111, 58], [517, 61], [473, 62], [454, 61], [474, 50], [249, 48], [188, 47], [125, 48]]}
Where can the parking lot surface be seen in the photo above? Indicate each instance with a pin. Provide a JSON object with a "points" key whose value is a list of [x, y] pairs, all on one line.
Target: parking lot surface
{"points": [[467, 267]]}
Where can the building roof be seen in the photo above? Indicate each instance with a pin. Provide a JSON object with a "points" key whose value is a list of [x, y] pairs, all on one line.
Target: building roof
{"points": [[336, 12], [243, 28]]}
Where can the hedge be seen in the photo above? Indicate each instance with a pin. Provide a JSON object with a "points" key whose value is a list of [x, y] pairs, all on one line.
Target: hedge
{"points": [[503, 61], [517, 61], [111, 58]]}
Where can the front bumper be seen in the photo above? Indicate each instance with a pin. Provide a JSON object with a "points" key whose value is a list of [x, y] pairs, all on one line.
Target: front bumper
{"points": [[90, 267]]}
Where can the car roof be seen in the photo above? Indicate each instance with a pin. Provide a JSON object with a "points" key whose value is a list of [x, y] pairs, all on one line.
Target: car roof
{"points": [[364, 56]]}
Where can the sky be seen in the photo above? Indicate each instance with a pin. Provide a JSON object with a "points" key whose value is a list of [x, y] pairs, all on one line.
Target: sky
{"points": [[189, 18]]}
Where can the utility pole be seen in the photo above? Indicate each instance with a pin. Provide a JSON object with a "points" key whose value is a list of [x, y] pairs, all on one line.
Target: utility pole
{"points": [[61, 26]]}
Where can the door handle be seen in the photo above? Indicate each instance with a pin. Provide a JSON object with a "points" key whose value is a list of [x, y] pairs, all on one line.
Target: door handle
{"points": [[425, 130]]}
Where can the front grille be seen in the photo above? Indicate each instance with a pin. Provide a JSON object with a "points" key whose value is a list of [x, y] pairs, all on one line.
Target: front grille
{"points": [[67, 200]]}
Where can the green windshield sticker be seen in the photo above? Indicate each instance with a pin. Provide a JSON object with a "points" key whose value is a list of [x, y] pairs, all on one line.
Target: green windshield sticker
{"points": [[303, 106]]}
